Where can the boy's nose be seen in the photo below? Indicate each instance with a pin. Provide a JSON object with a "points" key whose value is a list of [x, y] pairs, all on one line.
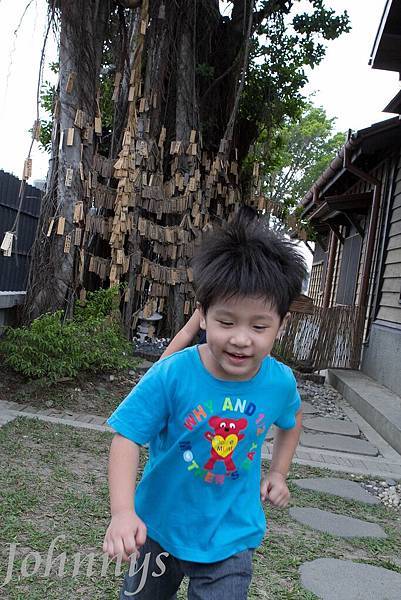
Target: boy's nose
{"points": [[240, 339]]}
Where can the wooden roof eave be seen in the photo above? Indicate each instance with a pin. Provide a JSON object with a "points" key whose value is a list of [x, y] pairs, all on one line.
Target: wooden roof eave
{"points": [[331, 205]]}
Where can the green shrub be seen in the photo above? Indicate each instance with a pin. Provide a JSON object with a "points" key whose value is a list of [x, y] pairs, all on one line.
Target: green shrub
{"points": [[99, 304], [51, 347]]}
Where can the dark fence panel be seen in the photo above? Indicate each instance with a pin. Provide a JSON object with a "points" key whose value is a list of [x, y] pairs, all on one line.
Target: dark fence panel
{"points": [[14, 269]]}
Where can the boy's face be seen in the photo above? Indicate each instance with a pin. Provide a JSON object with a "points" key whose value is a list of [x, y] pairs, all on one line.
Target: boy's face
{"points": [[240, 333]]}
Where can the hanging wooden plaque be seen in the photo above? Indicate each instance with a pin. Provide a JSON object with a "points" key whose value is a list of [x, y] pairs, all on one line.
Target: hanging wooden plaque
{"points": [[162, 137], [36, 131], [98, 125], [78, 211], [67, 243], [7, 243], [144, 26], [79, 118], [49, 231], [60, 226], [27, 173], [70, 82], [68, 177]]}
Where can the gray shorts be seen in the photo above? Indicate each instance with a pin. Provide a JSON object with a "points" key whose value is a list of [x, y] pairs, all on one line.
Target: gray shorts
{"points": [[157, 576]]}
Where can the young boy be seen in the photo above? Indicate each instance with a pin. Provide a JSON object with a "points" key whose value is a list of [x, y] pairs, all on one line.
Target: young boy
{"points": [[205, 412]]}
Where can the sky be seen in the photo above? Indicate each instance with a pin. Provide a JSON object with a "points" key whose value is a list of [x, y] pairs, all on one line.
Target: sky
{"points": [[343, 83]]}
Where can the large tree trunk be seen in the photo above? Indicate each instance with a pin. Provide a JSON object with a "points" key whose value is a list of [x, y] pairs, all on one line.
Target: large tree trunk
{"points": [[184, 80], [181, 36], [185, 121], [53, 279]]}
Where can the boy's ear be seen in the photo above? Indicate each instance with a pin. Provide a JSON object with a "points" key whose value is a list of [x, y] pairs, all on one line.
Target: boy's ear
{"points": [[202, 323], [283, 324]]}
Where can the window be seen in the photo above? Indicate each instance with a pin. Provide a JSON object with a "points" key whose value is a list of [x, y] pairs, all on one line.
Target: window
{"points": [[316, 282]]}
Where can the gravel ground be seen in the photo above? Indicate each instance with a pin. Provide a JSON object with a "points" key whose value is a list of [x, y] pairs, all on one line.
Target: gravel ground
{"points": [[388, 491], [323, 397]]}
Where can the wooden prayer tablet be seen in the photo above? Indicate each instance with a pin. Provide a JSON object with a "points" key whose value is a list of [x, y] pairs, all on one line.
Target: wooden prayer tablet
{"points": [[70, 82], [67, 244], [68, 177], [98, 125], [60, 226]]}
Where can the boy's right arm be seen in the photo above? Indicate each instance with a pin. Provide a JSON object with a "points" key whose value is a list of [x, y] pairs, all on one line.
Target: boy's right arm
{"points": [[126, 532], [185, 336]]}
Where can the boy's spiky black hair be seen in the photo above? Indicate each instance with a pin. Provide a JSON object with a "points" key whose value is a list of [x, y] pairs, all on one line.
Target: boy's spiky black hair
{"points": [[245, 258]]}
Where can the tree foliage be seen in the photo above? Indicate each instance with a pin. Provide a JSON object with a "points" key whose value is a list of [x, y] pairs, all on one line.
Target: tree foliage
{"points": [[303, 148], [286, 42]]}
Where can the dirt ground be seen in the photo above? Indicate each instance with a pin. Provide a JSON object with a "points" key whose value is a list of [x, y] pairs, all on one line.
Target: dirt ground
{"points": [[99, 394]]}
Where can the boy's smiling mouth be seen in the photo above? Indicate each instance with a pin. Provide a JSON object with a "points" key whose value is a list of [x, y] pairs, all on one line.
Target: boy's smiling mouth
{"points": [[235, 357]]}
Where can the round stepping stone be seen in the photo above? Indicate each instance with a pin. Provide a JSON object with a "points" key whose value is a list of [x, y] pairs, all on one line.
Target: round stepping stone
{"points": [[340, 525], [308, 408], [331, 579], [327, 425], [337, 487], [331, 441]]}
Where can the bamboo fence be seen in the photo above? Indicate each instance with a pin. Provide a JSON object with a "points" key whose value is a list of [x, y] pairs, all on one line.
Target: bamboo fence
{"points": [[328, 338]]}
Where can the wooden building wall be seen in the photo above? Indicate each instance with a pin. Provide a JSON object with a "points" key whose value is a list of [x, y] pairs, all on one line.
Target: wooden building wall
{"points": [[380, 172], [390, 299], [390, 296]]}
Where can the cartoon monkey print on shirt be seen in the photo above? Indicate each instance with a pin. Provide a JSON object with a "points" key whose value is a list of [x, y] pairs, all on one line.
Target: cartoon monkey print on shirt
{"points": [[224, 440]]}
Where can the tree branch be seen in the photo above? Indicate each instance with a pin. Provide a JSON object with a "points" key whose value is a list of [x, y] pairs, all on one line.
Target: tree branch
{"points": [[220, 77], [230, 126], [283, 6]]}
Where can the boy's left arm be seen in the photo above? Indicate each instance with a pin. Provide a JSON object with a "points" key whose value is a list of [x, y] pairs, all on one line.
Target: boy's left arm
{"points": [[274, 486]]}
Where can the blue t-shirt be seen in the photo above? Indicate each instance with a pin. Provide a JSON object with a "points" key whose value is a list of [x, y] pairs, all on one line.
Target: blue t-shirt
{"points": [[200, 491]]}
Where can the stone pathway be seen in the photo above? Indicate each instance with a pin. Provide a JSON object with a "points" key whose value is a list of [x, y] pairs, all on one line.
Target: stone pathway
{"points": [[327, 425], [328, 522], [329, 578], [5, 417], [337, 438], [338, 487], [341, 443], [11, 410], [332, 579]]}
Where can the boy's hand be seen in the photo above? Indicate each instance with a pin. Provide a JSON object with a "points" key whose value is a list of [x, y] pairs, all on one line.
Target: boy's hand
{"points": [[125, 534], [274, 487]]}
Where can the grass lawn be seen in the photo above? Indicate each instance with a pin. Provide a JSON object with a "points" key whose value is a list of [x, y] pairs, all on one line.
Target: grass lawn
{"points": [[53, 482]]}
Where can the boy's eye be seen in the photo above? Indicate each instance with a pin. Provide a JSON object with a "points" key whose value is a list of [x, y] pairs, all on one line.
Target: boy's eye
{"points": [[226, 323], [260, 327]]}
